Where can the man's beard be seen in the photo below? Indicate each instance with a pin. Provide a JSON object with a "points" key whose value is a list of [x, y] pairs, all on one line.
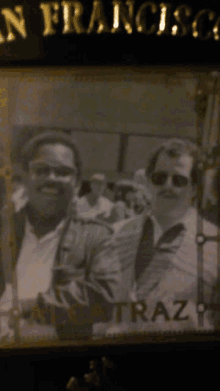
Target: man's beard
{"points": [[169, 194], [46, 216], [50, 199], [43, 225]]}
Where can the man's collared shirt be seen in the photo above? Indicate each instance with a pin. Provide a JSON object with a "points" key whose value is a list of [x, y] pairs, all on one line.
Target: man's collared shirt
{"points": [[34, 275], [177, 283], [35, 261], [185, 220], [158, 232], [185, 258]]}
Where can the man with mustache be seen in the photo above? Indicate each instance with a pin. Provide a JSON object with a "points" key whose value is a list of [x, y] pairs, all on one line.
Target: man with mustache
{"points": [[65, 266], [163, 262]]}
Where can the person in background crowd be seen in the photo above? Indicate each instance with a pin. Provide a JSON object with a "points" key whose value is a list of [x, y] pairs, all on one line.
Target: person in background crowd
{"points": [[19, 195], [140, 176], [94, 204], [64, 265], [125, 190], [131, 199], [136, 198]]}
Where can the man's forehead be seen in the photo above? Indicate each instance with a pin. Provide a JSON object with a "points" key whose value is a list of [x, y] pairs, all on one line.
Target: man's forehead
{"points": [[54, 154], [184, 161]]}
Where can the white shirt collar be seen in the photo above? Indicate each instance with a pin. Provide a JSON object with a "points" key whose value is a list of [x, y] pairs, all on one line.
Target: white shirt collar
{"points": [[29, 230], [185, 220]]}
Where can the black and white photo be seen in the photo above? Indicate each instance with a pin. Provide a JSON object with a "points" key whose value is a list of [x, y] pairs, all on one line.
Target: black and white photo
{"points": [[112, 204]]}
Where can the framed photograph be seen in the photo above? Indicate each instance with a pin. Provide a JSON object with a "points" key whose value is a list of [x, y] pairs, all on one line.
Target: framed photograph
{"points": [[109, 173], [109, 206]]}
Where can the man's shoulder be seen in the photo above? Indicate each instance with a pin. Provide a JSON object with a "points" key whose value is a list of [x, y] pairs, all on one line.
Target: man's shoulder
{"points": [[130, 227], [91, 225], [81, 233], [210, 228], [187, 256], [191, 224]]}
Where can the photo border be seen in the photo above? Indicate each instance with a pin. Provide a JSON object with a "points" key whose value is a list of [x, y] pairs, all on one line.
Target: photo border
{"points": [[120, 339]]}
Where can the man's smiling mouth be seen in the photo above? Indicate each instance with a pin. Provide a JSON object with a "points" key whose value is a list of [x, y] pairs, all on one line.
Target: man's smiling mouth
{"points": [[50, 191]]}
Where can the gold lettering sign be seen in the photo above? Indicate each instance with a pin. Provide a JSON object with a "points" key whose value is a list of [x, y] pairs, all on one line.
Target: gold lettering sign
{"points": [[121, 13], [140, 20], [197, 24], [164, 26], [98, 16], [72, 13], [71, 17], [216, 29], [11, 19], [182, 13], [49, 17]]}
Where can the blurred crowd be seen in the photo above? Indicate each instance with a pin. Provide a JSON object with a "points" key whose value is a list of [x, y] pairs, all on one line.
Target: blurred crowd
{"points": [[128, 198]]}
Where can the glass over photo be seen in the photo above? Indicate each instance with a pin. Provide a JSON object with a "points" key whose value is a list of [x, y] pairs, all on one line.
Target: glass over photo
{"points": [[109, 209]]}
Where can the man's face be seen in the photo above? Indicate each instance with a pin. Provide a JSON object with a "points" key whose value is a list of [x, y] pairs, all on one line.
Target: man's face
{"points": [[171, 183], [51, 179], [97, 187]]}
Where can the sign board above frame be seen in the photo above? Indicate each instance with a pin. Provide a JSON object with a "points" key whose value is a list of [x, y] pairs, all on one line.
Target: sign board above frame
{"points": [[108, 32]]}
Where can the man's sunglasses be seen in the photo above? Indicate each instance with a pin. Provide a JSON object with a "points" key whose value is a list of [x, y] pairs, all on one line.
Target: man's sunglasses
{"points": [[160, 178], [43, 170]]}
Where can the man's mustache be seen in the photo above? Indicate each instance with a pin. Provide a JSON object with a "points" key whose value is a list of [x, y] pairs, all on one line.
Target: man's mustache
{"points": [[57, 186], [169, 193]]}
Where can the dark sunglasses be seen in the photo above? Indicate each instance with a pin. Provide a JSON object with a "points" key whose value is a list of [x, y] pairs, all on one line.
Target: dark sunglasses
{"points": [[43, 170], [160, 178]]}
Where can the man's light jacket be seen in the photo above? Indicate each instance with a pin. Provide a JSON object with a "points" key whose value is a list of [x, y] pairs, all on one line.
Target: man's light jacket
{"points": [[86, 276]]}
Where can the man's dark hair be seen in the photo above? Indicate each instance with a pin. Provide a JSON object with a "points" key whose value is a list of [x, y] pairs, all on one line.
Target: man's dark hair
{"points": [[50, 137], [175, 148]]}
